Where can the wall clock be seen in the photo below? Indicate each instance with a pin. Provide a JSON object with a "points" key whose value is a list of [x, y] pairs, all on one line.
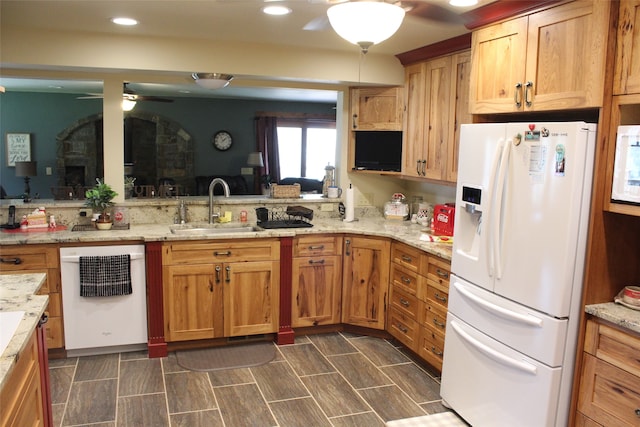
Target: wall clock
{"points": [[222, 140]]}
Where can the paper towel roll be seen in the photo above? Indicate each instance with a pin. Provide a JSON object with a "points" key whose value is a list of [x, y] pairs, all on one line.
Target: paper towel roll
{"points": [[349, 204]]}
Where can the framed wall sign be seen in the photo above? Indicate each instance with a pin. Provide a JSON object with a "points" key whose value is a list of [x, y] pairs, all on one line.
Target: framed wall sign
{"points": [[18, 148]]}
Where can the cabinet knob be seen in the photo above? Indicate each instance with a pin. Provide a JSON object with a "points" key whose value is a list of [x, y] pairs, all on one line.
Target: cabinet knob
{"points": [[637, 411], [405, 279], [404, 302]]}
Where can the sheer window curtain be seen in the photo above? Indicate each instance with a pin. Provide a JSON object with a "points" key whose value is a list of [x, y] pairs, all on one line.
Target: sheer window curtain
{"points": [[267, 143]]}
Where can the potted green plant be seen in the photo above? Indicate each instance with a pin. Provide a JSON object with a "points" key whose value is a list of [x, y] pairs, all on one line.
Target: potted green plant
{"points": [[100, 200]]}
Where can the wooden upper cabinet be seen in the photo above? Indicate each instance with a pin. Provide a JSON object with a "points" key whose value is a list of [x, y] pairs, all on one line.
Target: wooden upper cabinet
{"points": [[626, 79], [436, 94], [428, 96], [378, 108], [459, 110], [550, 60]]}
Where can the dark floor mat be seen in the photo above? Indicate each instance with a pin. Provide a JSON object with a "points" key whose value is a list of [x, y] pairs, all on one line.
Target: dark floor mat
{"points": [[229, 357]]}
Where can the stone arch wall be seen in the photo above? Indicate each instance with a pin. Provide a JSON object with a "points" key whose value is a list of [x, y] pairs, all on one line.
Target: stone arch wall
{"points": [[166, 150]]}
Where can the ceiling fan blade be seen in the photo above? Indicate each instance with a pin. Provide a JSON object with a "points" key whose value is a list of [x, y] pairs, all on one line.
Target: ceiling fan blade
{"points": [[320, 23], [152, 98], [431, 11]]}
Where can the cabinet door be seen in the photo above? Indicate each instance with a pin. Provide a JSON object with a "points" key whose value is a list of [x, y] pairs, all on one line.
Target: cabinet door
{"points": [[437, 97], [626, 79], [192, 302], [365, 282], [376, 108], [316, 290], [459, 113], [498, 63], [413, 135], [566, 51], [251, 297]]}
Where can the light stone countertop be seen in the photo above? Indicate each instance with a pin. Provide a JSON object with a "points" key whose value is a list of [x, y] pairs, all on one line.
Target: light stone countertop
{"points": [[616, 314], [17, 293], [402, 231]]}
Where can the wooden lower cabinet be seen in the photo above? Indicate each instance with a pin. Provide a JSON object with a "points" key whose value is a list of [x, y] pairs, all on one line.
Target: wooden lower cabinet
{"points": [[220, 289], [193, 303], [419, 293], [316, 281], [365, 281], [609, 392], [24, 259], [21, 400], [251, 297]]}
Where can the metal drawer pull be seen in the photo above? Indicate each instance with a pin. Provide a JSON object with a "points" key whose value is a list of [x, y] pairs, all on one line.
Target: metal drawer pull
{"points": [[439, 298], [225, 253], [438, 324], [218, 268], [402, 328], [320, 261], [405, 279], [407, 258], [228, 269], [15, 261], [637, 411], [528, 87], [316, 248], [434, 351], [443, 274], [404, 302]]}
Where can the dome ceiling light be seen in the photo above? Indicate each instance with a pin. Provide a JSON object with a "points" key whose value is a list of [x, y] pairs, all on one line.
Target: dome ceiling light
{"points": [[365, 23], [212, 80]]}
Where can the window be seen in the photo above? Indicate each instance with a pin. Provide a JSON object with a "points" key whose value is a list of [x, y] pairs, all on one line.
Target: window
{"points": [[305, 147]]}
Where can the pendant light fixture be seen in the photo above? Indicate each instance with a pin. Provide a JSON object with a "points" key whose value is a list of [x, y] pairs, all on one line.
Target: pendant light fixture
{"points": [[365, 23]]}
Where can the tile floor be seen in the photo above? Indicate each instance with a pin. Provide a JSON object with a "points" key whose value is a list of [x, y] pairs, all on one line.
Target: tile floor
{"points": [[322, 380]]}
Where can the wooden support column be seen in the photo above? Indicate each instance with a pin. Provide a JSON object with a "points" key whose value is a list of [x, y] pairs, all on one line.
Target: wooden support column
{"points": [[156, 344], [285, 333]]}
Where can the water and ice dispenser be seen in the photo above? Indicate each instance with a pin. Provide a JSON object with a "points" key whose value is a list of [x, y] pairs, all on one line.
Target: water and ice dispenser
{"points": [[469, 221]]}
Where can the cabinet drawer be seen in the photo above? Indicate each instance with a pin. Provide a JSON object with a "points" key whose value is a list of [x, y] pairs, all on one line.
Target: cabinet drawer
{"points": [[608, 395], [409, 257], [404, 302], [222, 251], [317, 245], [436, 294], [30, 257], [403, 328], [433, 316], [431, 347], [54, 333], [439, 271], [614, 346], [405, 279]]}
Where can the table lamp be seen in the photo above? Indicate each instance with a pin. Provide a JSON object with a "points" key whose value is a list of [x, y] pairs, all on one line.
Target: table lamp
{"points": [[27, 170], [255, 161]]}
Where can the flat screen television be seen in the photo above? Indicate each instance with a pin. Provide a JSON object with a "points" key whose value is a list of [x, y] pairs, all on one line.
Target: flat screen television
{"points": [[378, 150]]}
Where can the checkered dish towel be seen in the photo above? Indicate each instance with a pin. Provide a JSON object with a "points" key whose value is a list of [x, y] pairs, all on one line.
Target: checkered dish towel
{"points": [[105, 276]]}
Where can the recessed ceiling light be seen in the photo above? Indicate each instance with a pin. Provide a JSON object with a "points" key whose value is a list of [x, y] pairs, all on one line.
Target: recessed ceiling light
{"points": [[276, 10], [55, 87], [124, 21], [463, 3]]}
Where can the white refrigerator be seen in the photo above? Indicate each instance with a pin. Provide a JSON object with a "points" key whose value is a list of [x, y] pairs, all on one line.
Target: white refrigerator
{"points": [[522, 213]]}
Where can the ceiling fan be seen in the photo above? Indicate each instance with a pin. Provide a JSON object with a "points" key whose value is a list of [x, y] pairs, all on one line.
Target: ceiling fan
{"points": [[423, 9], [128, 94]]}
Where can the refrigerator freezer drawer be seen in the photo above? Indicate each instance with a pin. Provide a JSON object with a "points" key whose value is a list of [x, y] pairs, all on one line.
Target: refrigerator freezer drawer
{"points": [[533, 333], [515, 389]]}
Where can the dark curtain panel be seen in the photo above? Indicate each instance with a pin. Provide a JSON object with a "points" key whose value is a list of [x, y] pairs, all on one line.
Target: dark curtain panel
{"points": [[267, 142]]}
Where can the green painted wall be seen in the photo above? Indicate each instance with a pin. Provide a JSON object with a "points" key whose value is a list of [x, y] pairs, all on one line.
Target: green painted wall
{"points": [[45, 115]]}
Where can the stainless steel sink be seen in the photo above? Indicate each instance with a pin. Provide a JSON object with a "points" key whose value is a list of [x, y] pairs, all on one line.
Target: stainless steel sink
{"points": [[205, 229]]}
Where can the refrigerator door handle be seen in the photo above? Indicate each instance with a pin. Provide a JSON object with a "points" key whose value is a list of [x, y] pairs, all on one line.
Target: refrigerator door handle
{"points": [[526, 319], [492, 184], [496, 215], [493, 354]]}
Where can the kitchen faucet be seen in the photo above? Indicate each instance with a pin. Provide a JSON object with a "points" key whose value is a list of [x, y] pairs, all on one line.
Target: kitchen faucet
{"points": [[225, 187]]}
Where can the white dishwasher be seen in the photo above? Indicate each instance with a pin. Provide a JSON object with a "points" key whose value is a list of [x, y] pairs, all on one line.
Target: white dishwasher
{"points": [[103, 324]]}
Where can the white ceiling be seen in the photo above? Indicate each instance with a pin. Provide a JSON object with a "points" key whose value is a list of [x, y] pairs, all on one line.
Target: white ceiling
{"points": [[233, 20]]}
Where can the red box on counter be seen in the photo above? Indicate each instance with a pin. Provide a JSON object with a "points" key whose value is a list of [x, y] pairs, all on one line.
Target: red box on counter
{"points": [[443, 216]]}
